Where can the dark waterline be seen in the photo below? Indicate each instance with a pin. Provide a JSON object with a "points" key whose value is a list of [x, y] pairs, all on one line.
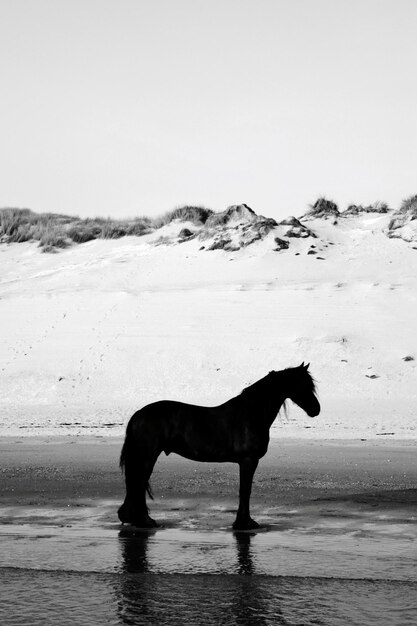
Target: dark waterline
{"points": [[87, 599]]}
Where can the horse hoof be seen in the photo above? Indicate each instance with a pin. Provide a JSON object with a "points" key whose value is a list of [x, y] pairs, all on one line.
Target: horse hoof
{"points": [[247, 524], [123, 516]]}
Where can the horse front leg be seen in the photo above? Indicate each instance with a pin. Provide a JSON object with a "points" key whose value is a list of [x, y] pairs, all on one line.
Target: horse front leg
{"points": [[247, 468]]}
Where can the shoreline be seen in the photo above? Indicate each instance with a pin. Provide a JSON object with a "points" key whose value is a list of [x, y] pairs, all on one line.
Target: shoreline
{"points": [[89, 438]]}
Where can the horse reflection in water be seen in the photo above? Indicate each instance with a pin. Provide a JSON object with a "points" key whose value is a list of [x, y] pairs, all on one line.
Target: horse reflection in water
{"points": [[146, 597], [236, 431], [251, 602], [136, 560]]}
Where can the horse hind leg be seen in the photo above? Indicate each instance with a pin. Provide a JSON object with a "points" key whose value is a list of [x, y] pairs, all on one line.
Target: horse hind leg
{"points": [[138, 469]]}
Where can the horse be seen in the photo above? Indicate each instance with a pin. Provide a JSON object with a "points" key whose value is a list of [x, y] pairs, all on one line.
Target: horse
{"points": [[236, 431]]}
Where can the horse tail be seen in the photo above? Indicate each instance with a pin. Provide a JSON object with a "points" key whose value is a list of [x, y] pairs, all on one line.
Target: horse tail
{"points": [[128, 452], [122, 461], [149, 490]]}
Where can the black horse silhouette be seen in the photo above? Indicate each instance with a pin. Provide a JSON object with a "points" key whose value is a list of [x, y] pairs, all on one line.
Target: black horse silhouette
{"points": [[236, 431]]}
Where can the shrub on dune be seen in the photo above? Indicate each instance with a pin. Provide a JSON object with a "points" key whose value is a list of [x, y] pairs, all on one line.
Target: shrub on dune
{"points": [[113, 230], [139, 226], [357, 209], [22, 233], [403, 216], [323, 208], [81, 232], [99, 228], [51, 238], [409, 206], [15, 223], [194, 214], [20, 225]]}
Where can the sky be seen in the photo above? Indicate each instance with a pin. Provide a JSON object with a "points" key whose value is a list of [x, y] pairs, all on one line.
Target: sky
{"points": [[133, 107]]}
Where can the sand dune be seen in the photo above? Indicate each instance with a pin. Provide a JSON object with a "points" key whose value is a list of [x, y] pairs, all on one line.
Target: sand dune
{"points": [[97, 330]]}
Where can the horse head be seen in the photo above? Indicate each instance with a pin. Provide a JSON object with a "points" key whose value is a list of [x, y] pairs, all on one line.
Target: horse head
{"points": [[302, 390]]}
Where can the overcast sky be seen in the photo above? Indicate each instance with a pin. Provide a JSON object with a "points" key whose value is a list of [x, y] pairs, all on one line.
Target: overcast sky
{"points": [[133, 107]]}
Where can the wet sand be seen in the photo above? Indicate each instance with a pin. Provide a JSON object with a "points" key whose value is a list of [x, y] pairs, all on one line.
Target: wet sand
{"points": [[67, 471], [336, 544]]}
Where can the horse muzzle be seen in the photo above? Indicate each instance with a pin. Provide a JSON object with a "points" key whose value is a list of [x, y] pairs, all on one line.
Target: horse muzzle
{"points": [[314, 411]]}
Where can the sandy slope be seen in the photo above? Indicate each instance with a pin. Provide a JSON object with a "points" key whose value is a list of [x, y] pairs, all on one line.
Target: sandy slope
{"points": [[90, 334]]}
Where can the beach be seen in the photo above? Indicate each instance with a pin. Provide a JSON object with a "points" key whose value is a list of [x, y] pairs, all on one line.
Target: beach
{"points": [[336, 540], [95, 332], [65, 470]]}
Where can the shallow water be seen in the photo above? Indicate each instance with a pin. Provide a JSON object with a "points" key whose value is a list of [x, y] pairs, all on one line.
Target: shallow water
{"points": [[75, 565], [93, 598]]}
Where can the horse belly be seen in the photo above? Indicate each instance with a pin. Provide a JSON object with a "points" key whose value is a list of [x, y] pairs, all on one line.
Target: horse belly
{"points": [[198, 450], [198, 440], [211, 443]]}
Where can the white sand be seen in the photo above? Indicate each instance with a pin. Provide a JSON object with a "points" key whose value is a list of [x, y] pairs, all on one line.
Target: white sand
{"points": [[92, 333]]}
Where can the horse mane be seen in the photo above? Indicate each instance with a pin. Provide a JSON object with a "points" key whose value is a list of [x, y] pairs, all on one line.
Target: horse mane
{"points": [[264, 385], [260, 393]]}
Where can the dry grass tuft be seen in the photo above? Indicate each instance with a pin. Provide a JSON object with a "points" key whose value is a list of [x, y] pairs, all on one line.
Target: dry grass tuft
{"points": [[195, 214]]}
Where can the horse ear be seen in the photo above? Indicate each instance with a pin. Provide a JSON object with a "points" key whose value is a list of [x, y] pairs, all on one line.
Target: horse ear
{"points": [[306, 366], [302, 364]]}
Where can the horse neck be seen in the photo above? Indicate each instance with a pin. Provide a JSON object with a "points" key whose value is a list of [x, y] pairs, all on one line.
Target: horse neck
{"points": [[274, 407], [264, 407]]}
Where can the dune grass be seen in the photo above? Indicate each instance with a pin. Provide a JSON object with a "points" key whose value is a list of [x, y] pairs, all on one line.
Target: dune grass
{"points": [[324, 207], [54, 231], [194, 214], [20, 225], [409, 205]]}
